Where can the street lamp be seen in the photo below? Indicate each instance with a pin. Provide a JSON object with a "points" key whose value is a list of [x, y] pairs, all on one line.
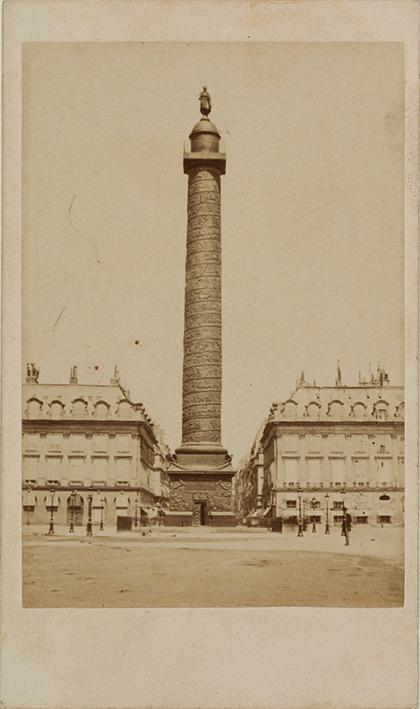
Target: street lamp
{"points": [[327, 524], [28, 508], [343, 492], [51, 528], [300, 522], [72, 506], [313, 503], [89, 521], [101, 521]]}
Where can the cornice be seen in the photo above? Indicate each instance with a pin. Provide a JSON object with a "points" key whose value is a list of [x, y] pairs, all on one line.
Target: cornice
{"points": [[87, 426]]}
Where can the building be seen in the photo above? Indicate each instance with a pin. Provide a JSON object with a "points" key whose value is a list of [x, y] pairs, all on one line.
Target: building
{"points": [[328, 447], [82, 440], [200, 472], [248, 487]]}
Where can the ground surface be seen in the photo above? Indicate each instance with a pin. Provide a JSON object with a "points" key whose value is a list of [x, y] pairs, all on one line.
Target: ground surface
{"points": [[202, 568]]}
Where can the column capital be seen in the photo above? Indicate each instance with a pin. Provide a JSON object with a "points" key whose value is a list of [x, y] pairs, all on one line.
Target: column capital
{"points": [[205, 159]]}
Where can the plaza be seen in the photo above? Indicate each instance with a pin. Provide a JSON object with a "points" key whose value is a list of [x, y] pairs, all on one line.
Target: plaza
{"points": [[206, 567]]}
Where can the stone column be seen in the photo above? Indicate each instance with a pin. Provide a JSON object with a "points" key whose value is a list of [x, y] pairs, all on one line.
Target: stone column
{"points": [[202, 368], [200, 472], [202, 371]]}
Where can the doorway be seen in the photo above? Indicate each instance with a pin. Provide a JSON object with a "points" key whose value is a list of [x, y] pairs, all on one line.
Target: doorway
{"points": [[203, 513], [201, 517]]}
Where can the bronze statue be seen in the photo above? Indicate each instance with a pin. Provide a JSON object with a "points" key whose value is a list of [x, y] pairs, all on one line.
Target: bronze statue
{"points": [[205, 102]]}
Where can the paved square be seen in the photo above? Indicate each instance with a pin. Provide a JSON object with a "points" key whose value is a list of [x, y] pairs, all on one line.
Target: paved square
{"points": [[171, 568]]}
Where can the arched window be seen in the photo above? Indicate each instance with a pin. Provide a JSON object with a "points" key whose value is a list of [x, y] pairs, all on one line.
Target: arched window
{"points": [[381, 410], [79, 407], [359, 410], [313, 409], [124, 410], [290, 409], [34, 408], [56, 410], [335, 409], [101, 410], [400, 411]]}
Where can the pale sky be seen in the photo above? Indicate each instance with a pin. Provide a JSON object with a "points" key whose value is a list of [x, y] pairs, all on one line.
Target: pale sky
{"points": [[312, 216]]}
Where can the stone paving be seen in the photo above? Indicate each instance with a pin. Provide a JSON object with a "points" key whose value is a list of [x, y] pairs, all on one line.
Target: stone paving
{"points": [[204, 567]]}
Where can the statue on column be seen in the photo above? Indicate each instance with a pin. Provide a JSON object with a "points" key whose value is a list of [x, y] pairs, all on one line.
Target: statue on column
{"points": [[205, 102]]}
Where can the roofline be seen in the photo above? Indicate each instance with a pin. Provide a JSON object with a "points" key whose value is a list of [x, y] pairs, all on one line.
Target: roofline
{"points": [[69, 384]]}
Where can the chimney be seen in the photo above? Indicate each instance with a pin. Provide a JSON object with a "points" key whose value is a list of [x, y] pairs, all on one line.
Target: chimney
{"points": [[115, 379], [73, 375], [32, 373]]}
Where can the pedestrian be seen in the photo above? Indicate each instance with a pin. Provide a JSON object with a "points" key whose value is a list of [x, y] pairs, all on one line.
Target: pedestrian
{"points": [[346, 526]]}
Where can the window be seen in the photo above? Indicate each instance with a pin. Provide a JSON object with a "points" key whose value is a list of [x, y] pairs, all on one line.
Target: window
{"points": [[101, 410], [381, 449], [381, 410], [290, 409], [121, 482], [56, 409], [56, 483], [290, 503], [313, 470], [79, 407], [290, 444], [335, 410], [291, 470], [316, 505], [337, 505], [75, 483], [100, 444]]}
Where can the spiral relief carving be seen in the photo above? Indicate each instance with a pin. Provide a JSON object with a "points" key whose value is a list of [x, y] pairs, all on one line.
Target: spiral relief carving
{"points": [[202, 372]]}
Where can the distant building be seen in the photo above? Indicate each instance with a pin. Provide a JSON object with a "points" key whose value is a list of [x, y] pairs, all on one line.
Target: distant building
{"points": [[248, 486], [86, 439], [328, 447]]}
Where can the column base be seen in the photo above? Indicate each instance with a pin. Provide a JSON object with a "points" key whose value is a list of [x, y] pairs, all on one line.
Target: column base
{"points": [[200, 485]]}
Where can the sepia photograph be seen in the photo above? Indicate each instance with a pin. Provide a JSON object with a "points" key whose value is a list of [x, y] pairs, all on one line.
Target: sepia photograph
{"points": [[210, 383], [213, 324]]}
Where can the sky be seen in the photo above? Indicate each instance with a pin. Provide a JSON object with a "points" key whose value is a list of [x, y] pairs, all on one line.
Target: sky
{"points": [[312, 216]]}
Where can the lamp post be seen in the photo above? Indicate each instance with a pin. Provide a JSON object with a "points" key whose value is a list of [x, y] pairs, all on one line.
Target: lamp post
{"points": [[343, 492], [72, 506], [89, 521], [51, 527], [300, 522], [101, 521], [313, 502], [327, 523], [28, 511]]}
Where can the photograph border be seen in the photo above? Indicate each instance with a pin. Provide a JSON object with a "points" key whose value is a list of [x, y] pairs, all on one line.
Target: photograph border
{"points": [[260, 657]]}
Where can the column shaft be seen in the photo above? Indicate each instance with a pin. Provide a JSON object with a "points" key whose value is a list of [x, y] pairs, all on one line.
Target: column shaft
{"points": [[202, 371]]}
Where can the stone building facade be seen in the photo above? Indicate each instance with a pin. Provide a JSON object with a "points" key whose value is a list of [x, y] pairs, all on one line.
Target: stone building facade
{"points": [[85, 439], [328, 447]]}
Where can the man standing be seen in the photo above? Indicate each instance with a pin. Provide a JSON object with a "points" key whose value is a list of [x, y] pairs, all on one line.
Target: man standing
{"points": [[346, 526]]}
